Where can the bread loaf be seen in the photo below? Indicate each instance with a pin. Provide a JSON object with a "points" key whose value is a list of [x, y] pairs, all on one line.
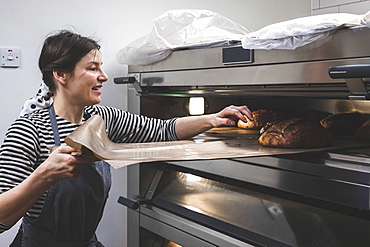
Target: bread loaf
{"points": [[295, 133], [343, 123]]}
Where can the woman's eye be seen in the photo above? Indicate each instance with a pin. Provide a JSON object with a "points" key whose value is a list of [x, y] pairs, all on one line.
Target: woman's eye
{"points": [[92, 69]]}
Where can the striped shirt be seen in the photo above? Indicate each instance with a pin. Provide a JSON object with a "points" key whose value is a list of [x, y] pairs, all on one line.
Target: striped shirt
{"points": [[26, 141]]}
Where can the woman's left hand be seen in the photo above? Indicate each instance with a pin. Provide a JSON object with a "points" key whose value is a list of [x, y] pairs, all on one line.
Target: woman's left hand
{"points": [[230, 115]]}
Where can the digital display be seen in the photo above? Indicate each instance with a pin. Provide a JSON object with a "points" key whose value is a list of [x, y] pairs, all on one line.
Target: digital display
{"points": [[236, 54]]}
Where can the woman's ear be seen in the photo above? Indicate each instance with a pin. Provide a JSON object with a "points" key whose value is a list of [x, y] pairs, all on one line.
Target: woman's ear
{"points": [[60, 76]]}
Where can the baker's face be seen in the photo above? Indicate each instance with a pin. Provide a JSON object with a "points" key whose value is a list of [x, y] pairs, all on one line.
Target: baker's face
{"points": [[84, 85]]}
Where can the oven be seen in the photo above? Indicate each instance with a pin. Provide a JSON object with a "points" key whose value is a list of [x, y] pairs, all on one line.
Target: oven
{"points": [[310, 198]]}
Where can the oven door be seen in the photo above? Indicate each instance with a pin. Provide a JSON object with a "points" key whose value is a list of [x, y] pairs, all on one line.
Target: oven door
{"points": [[159, 227], [192, 204]]}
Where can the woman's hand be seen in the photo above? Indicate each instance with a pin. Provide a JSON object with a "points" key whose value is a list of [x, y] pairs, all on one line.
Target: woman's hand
{"points": [[61, 164], [187, 127], [230, 115]]}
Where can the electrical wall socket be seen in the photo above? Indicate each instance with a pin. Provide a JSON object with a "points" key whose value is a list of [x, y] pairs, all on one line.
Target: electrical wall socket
{"points": [[10, 57]]}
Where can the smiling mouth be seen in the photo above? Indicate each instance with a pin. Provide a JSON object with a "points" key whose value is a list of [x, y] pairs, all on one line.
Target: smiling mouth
{"points": [[96, 88]]}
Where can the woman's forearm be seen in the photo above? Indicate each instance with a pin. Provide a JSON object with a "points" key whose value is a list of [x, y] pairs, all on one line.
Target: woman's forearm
{"points": [[15, 202], [188, 127]]}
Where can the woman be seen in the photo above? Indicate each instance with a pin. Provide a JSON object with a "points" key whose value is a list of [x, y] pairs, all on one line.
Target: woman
{"points": [[61, 196]]}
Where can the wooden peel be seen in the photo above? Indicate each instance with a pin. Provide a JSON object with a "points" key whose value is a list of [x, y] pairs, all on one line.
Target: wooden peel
{"points": [[91, 138]]}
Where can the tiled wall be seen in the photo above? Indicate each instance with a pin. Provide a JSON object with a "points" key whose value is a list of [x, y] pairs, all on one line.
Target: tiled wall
{"points": [[340, 6]]}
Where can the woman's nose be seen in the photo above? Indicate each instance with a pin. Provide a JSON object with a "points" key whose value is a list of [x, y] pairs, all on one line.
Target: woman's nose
{"points": [[103, 76]]}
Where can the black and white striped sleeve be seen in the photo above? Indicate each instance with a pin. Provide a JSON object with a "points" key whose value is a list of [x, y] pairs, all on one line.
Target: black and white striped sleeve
{"points": [[17, 155], [125, 127]]}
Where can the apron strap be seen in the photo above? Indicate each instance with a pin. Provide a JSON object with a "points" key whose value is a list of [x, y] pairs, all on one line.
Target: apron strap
{"points": [[54, 125]]}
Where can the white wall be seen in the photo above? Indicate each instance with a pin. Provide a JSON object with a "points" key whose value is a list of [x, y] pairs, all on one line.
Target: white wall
{"points": [[320, 7], [25, 24]]}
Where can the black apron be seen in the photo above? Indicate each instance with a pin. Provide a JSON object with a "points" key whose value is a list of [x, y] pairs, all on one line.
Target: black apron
{"points": [[72, 209]]}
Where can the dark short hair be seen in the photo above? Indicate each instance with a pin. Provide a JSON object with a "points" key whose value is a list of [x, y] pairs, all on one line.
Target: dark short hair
{"points": [[61, 52]]}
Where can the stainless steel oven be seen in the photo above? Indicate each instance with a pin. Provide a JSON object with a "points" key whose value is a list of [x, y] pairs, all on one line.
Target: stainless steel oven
{"points": [[314, 198]]}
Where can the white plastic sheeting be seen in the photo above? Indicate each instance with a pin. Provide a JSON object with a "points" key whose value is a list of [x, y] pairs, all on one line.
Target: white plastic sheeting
{"points": [[178, 29], [194, 28], [301, 31]]}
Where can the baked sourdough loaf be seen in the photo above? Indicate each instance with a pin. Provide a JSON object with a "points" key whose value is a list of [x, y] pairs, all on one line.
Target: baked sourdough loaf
{"points": [[343, 123], [295, 133], [260, 118]]}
